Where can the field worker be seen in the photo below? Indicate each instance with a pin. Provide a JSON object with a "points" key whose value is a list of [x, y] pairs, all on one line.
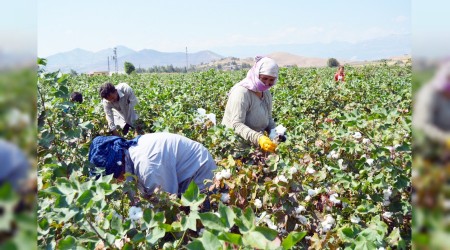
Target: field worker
{"points": [[118, 104], [432, 107], [76, 97], [249, 106], [164, 160], [339, 76], [15, 166]]}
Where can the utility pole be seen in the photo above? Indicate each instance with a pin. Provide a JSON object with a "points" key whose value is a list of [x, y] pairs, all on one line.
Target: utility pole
{"points": [[187, 64], [115, 60], [108, 64]]}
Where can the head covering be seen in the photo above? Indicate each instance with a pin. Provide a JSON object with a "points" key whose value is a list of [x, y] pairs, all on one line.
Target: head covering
{"points": [[268, 67], [107, 152], [263, 65]]}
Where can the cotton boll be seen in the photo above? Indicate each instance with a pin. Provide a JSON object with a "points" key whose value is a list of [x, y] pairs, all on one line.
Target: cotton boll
{"points": [[387, 193], [387, 215], [333, 199], [366, 141], [258, 203], [219, 176], [212, 118], [201, 111], [311, 192], [119, 163], [307, 198], [280, 129], [293, 170], [310, 170], [225, 197], [357, 135], [300, 209], [302, 219], [118, 243], [369, 161], [355, 219], [282, 178], [135, 213], [226, 173]]}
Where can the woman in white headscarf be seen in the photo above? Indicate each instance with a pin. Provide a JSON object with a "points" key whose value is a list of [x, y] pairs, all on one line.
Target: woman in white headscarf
{"points": [[249, 107]]}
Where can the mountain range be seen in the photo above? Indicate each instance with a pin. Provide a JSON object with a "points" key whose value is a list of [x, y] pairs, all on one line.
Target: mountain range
{"points": [[367, 50], [84, 61]]}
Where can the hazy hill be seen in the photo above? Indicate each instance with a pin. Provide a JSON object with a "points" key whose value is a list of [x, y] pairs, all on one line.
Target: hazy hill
{"points": [[84, 61]]}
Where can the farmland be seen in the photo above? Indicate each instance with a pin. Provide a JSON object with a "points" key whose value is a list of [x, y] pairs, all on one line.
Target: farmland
{"points": [[342, 178]]}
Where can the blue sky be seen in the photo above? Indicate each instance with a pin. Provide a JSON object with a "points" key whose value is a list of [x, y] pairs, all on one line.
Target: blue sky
{"points": [[170, 26]]}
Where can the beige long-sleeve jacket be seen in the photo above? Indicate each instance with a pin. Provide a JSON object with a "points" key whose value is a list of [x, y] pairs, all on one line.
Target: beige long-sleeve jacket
{"points": [[248, 114]]}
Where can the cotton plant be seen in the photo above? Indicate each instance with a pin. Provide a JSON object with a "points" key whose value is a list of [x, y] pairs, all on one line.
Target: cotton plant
{"points": [[277, 132], [328, 223], [224, 174], [342, 166], [310, 170], [312, 193], [357, 135], [333, 155], [225, 197], [333, 198], [266, 219], [135, 213], [386, 195], [202, 116], [258, 203], [355, 219], [281, 178]]}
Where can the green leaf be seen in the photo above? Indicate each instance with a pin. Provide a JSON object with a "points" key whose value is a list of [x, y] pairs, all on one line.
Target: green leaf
{"points": [[212, 221], [246, 221], [152, 220], [85, 197], [195, 245], [139, 237], [346, 234], [261, 237], [86, 125], [292, 239], [68, 243], [210, 241], [192, 197], [394, 237], [116, 224], [364, 244], [231, 237], [155, 234], [227, 215], [190, 221]]}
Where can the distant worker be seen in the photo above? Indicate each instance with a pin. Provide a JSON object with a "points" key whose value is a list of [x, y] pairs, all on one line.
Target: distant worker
{"points": [[432, 107], [118, 104], [159, 160], [76, 97], [339, 76], [249, 107], [15, 166]]}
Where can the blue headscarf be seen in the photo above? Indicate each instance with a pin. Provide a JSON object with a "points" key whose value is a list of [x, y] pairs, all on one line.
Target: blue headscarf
{"points": [[107, 152]]}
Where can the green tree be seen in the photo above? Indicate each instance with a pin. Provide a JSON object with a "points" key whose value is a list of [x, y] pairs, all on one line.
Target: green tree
{"points": [[129, 67], [332, 62]]}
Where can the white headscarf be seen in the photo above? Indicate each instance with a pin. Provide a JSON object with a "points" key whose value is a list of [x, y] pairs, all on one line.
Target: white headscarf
{"points": [[263, 65]]}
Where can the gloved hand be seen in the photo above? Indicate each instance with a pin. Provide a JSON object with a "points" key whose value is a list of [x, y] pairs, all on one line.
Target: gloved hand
{"points": [[266, 144], [126, 128]]}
